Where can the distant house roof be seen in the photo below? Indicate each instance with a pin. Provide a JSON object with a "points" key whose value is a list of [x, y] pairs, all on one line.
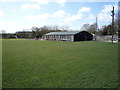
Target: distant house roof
{"points": [[63, 33]]}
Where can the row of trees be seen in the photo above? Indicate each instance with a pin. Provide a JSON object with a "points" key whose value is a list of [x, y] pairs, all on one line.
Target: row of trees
{"points": [[38, 32], [92, 28], [104, 30]]}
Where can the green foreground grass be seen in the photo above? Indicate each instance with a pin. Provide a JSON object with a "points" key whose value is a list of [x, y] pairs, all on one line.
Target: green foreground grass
{"points": [[0, 63], [48, 64]]}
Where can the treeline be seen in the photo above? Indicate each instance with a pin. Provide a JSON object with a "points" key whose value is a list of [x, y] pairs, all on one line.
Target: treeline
{"points": [[35, 32], [104, 30], [38, 32]]}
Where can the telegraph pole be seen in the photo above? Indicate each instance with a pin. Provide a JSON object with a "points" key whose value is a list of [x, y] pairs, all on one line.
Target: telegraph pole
{"points": [[112, 23], [96, 26], [119, 21]]}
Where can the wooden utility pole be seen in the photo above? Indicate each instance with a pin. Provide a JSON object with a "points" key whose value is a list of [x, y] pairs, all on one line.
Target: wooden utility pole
{"points": [[96, 24], [112, 23], [96, 28], [119, 21]]}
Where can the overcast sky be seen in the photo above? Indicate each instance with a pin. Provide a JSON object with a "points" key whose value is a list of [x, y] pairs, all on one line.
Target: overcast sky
{"points": [[16, 15]]}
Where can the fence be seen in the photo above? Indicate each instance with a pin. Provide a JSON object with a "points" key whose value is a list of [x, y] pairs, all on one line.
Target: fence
{"points": [[106, 38]]}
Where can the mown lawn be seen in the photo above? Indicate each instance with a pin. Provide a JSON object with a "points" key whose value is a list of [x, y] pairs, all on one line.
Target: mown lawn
{"points": [[49, 64], [0, 63]]}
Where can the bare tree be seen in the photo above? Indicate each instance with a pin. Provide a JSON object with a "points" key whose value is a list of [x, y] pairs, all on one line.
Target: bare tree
{"points": [[92, 28], [64, 28], [85, 27]]}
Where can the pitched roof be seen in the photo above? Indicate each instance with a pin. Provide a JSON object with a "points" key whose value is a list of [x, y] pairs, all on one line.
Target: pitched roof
{"points": [[63, 33]]}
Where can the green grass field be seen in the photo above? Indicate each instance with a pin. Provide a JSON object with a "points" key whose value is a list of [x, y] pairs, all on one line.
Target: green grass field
{"points": [[0, 63], [49, 64]]}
